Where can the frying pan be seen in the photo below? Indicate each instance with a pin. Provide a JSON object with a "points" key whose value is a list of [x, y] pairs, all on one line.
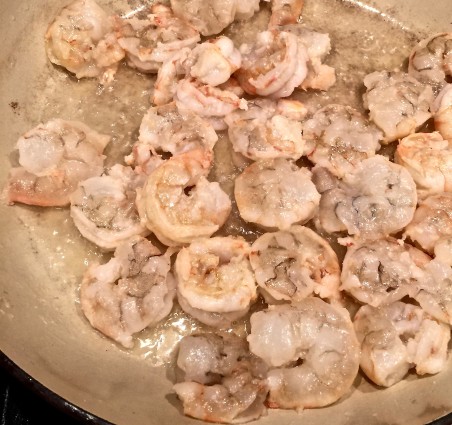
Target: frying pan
{"points": [[42, 331]]}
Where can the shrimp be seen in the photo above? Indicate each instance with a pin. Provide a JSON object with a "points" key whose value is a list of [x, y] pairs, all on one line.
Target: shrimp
{"points": [[285, 12], [312, 332], [378, 198], [434, 290], [81, 40], [268, 129], [134, 290], [428, 158], [398, 103], [339, 137], [432, 222], [208, 17], [320, 76], [54, 158], [442, 108], [274, 65], [222, 381], [431, 60], [276, 194], [294, 264], [103, 208], [214, 275], [179, 204], [211, 63], [382, 271], [150, 42], [165, 129], [211, 103], [398, 337]]}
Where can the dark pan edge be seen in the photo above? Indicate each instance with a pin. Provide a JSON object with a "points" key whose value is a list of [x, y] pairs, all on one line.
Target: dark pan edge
{"points": [[48, 395]]}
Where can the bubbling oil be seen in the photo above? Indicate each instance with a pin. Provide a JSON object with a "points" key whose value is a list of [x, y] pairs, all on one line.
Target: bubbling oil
{"points": [[362, 42]]}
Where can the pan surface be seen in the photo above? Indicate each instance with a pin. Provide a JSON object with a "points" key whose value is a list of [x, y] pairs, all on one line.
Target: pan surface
{"points": [[42, 329]]}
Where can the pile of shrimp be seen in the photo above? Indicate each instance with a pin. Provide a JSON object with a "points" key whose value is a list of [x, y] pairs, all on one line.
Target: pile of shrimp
{"points": [[159, 213]]}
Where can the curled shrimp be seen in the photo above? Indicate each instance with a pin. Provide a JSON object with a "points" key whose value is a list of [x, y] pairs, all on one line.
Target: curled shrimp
{"points": [[378, 198], [434, 290], [382, 271], [81, 40], [398, 337], [179, 204], [319, 76], [274, 65], [103, 208], [442, 108], [432, 221], [212, 103], [222, 381], [276, 194], [150, 42], [428, 158], [339, 137], [317, 334], [398, 104], [166, 129], [431, 60], [294, 264], [267, 129], [211, 63], [214, 276], [134, 290], [54, 157]]}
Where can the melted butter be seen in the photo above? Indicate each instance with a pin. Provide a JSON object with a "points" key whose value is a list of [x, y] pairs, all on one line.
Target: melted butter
{"points": [[362, 42]]}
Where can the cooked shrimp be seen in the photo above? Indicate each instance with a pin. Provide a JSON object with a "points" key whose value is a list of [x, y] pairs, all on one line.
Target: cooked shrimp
{"points": [[54, 158], [318, 45], [214, 275], [165, 129], [442, 108], [396, 338], [339, 137], [211, 103], [294, 264], [276, 194], [435, 289], [274, 65], [398, 103], [208, 17], [150, 42], [319, 335], [432, 221], [382, 271], [103, 208], [215, 61], [222, 382], [268, 129], [179, 204], [211, 63], [431, 60], [169, 74], [428, 158], [378, 198], [285, 12], [80, 39], [134, 290]]}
